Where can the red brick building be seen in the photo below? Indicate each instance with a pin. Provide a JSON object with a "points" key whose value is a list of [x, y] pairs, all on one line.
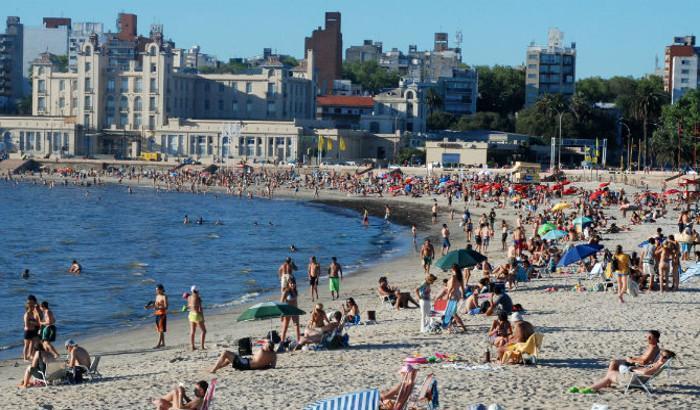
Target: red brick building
{"points": [[327, 46], [345, 110]]}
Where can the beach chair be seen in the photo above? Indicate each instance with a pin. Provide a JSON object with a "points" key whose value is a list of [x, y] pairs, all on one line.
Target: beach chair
{"points": [[92, 371], [638, 381], [360, 400], [596, 272], [385, 302], [53, 373], [427, 396], [516, 352], [209, 396], [405, 391]]}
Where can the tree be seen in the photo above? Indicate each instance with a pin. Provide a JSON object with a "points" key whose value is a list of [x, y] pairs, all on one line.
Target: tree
{"points": [[647, 102], [484, 121], [682, 117], [433, 99], [501, 89], [370, 75], [440, 120], [410, 155]]}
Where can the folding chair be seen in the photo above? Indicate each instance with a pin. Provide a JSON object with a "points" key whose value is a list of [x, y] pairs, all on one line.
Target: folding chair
{"points": [[427, 396], [639, 381], [92, 371], [209, 396], [516, 352]]}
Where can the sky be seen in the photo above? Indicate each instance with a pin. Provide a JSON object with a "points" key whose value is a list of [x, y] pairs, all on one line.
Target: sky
{"points": [[613, 37]]}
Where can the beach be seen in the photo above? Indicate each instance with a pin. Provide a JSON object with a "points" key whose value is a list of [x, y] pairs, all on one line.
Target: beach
{"points": [[582, 332]]}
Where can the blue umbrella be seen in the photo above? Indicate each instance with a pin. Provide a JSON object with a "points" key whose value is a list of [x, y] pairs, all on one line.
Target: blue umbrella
{"points": [[554, 235], [577, 253], [645, 243], [582, 220]]}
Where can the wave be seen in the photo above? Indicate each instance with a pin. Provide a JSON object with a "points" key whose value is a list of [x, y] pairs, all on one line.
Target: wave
{"points": [[241, 300]]}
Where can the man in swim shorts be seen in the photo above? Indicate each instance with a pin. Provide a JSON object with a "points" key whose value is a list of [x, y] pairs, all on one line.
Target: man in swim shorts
{"points": [[335, 275], [263, 359], [427, 253]]}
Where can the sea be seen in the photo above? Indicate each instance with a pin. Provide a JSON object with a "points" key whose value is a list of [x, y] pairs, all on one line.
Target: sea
{"points": [[127, 243]]}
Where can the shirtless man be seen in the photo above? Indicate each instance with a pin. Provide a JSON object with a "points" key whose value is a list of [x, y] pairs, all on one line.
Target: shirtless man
{"points": [[75, 268], [648, 357], [665, 253], [434, 211], [427, 253], [196, 316], [263, 359], [313, 272], [445, 232], [285, 272], [177, 399], [78, 360], [48, 329], [335, 276], [160, 306]]}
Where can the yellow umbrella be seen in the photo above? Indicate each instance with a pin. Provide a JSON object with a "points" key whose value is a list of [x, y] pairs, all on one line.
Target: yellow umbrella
{"points": [[561, 205]]}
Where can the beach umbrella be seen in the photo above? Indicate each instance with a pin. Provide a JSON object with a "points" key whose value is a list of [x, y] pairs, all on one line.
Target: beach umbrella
{"points": [[582, 220], [603, 184], [671, 191], [595, 195], [361, 400], [461, 258], [546, 227], [577, 253], [554, 235], [269, 310], [565, 182], [569, 191], [560, 206]]}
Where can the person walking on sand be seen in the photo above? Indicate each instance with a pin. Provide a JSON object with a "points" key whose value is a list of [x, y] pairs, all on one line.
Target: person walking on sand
{"points": [[434, 212], [160, 306], [621, 269], [445, 239], [31, 327], [427, 253], [196, 316], [313, 272], [285, 272], [47, 333], [335, 275], [290, 296]]}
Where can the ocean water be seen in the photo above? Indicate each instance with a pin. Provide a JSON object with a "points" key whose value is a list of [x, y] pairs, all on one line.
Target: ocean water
{"points": [[128, 243]]}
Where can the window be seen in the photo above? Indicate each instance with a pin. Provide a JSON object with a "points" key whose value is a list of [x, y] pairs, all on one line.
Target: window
{"points": [[137, 120], [61, 102], [42, 104], [271, 108], [234, 86], [532, 56], [235, 106], [123, 103], [152, 105], [684, 81], [122, 119], [154, 68], [74, 102], [206, 105], [62, 85], [221, 87], [110, 85], [151, 122], [248, 88], [532, 75], [685, 71], [109, 104], [138, 85], [74, 85], [271, 89], [88, 67], [124, 85], [138, 106], [88, 102], [42, 86], [88, 84], [154, 85]]}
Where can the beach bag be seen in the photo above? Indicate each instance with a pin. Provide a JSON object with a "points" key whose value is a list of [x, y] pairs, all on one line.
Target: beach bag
{"points": [[273, 336]]}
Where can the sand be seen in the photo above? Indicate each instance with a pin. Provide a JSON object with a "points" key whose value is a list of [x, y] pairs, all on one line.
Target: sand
{"points": [[582, 332]]}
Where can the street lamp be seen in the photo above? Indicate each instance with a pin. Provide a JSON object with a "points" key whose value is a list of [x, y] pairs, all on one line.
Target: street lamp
{"points": [[629, 137]]}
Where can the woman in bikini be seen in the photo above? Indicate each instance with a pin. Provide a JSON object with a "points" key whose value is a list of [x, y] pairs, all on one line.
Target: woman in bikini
{"points": [[31, 328], [289, 296]]}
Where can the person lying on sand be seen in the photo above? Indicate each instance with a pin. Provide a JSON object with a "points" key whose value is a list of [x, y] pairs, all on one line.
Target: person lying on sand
{"points": [[177, 399], [263, 359], [613, 375], [397, 298]]}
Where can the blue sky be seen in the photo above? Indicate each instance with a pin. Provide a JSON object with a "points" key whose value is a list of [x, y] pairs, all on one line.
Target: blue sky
{"points": [[613, 37]]}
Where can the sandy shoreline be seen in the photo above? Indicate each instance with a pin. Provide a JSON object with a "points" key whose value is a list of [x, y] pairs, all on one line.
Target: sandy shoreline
{"points": [[582, 332]]}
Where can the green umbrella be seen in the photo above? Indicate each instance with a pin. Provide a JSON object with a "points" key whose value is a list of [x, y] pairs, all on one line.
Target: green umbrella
{"points": [[546, 227], [582, 220], [269, 310], [461, 257]]}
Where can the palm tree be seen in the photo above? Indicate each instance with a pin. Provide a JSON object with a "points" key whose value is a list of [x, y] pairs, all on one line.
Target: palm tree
{"points": [[646, 105], [433, 99]]}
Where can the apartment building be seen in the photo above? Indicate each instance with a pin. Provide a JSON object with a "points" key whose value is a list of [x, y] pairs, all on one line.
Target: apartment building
{"points": [[681, 67], [551, 69], [11, 63]]}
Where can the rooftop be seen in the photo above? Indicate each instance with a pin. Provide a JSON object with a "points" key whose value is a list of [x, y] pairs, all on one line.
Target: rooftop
{"points": [[345, 101]]}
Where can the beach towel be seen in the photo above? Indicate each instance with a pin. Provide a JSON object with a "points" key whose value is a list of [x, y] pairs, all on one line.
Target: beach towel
{"points": [[450, 312], [690, 272]]}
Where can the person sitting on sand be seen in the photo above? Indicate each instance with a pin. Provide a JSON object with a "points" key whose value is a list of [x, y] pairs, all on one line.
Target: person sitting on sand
{"points": [[397, 298], [78, 361], [522, 331], [177, 399], [613, 375], [500, 302], [318, 320], [500, 330], [351, 311], [39, 363], [263, 359], [316, 335], [75, 268]]}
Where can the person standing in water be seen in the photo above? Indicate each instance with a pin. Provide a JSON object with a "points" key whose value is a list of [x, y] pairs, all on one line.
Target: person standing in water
{"points": [[434, 210], [445, 239], [313, 272], [335, 275], [365, 216], [414, 232], [196, 316], [160, 306], [387, 212], [186, 220], [427, 253]]}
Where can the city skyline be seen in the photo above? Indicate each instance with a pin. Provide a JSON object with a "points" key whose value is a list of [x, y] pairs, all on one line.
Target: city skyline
{"points": [[628, 49]]}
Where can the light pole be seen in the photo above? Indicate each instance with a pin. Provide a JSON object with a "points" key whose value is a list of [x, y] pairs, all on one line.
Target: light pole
{"points": [[629, 137], [561, 115]]}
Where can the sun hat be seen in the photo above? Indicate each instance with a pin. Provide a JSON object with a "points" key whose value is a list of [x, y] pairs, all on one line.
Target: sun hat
{"points": [[70, 343], [194, 288], [516, 317]]}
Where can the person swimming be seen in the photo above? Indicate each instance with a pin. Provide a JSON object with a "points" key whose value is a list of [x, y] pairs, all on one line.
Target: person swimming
{"points": [[292, 248], [200, 221], [25, 274], [186, 220]]}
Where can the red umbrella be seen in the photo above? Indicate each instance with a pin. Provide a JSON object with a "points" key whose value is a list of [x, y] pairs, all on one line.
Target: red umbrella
{"points": [[671, 191], [565, 182], [603, 184], [569, 191], [541, 187], [596, 195]]}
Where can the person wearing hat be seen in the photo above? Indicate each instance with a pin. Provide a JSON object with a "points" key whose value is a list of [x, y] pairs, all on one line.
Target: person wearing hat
{"points": [[196, 316], [78, 361], [408, 374], [160, 306], [423, 294]]}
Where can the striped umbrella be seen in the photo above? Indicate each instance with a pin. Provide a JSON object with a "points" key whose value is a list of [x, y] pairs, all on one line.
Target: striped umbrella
{"points": [[361, 400]]}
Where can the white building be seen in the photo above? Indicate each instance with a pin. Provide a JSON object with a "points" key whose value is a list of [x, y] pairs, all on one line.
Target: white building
{"points": [[39, 40], [398, 110], [550, 69], [681, 67], [79, 34]]}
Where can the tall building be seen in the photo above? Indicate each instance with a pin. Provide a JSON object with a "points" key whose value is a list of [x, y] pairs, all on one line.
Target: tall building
{"points": [[79, 34], [551, 69], [52, 37], [424, 66], [681, 67], [368, 51], [11, 63], [459, 91], [327, 47]]}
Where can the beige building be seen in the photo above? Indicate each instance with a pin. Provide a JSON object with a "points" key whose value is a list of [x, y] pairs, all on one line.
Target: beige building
{"points": [[456, 153], [41, 136], [398, 109], [479, 147]]}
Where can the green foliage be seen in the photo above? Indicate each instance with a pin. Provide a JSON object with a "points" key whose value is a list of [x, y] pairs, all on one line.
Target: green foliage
{"points": [[232, 67], [686, 115], [501, 89], [370, 76], [440, 120], [61, 63], [433, 99], [484, 121], [410, 155], [289, 61]]}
